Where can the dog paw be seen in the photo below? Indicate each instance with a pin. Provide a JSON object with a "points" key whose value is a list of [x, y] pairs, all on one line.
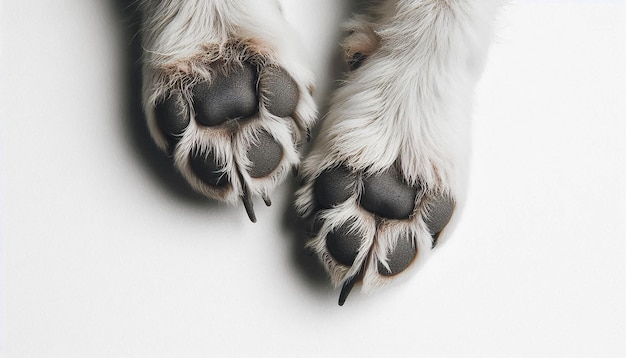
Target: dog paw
{"points": [[226, 96], [371, 224], [386, 175]]}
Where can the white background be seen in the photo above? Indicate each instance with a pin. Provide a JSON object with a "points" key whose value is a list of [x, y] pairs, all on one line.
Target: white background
{"points": [[104, 253]]}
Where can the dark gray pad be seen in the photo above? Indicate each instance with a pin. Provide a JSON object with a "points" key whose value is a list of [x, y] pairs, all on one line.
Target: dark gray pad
{"points": [[334, 186], [264, 155], [399, 258], [386, 195], [206, 168], [231, 96], [439, 213], [172, 117], [283, 94], [356, 61], [343, 244]]}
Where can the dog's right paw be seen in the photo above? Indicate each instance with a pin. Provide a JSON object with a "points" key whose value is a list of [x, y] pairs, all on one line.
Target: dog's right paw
{"points": [[387, 173], [232, 102]]}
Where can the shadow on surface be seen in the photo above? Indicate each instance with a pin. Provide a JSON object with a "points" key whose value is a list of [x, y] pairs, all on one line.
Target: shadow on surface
{"points": [[160, 165], [305, 261], [157, 163]]}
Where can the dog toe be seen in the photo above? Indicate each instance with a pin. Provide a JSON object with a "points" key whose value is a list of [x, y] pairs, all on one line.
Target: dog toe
{"points": [[264, 155], [439, 213], [172, 117], [334, 186], [205, 166], [399, 258], [386, 195], [281, 91], [343, 243]]}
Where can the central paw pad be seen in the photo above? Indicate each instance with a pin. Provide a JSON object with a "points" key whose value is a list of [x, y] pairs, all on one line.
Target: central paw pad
{"points": [[230, 96]]}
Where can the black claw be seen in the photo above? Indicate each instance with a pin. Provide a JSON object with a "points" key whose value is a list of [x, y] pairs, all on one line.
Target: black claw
{"points": [[347, 286], [267, 200], [345, 290], [247, 203]]}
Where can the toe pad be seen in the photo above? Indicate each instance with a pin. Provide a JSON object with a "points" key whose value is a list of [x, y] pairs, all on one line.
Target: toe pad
{"points": [[439, 213], [265, 155], [343, 244], [399, 258], [282, 91], [333, 187], [172, 117], [206, 168]]}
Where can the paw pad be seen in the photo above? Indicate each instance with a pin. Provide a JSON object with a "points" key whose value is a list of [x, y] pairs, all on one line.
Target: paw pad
{"points": [[265, 155], [399, 258], [205, 166], [386, 195], [334, 186], [230, 96], [172, 117], [343, 244], [438, 214]]}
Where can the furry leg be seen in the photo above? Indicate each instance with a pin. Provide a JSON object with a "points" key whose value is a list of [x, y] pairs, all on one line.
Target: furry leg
{"points": [[386, 177], [226, 93]]}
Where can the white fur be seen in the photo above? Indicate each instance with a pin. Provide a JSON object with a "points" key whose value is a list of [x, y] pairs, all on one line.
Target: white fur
{"points": [[408, 104]]}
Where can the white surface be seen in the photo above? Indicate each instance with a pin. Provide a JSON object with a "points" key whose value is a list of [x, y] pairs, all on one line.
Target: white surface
{"points": [[102, 259]]}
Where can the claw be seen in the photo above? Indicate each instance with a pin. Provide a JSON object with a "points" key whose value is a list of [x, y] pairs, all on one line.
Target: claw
{"points": [[346, 289], [267, 200], [247, 203], [348, 285], [308, 135]]}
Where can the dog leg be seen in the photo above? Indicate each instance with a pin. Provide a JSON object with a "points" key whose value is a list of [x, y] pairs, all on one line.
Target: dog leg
{"points": [[226, 93], [387, 174]]}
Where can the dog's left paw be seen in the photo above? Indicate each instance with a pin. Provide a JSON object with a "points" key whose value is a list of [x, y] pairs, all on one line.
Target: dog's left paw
{"points": [[226, 94]]}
